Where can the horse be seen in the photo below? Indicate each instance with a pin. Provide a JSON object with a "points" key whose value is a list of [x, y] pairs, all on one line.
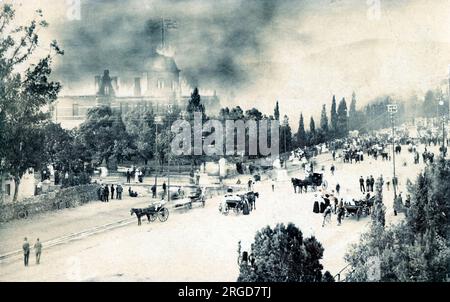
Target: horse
{"points": [[251, 197], [298, 183], [384, 156], [139, 213]]}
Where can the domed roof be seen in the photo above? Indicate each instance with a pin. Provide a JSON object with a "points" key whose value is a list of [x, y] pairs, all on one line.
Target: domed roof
{"points": [[158, 62]]}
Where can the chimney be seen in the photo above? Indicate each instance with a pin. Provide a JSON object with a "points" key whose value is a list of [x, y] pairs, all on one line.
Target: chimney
{"points": [[137, 87]]}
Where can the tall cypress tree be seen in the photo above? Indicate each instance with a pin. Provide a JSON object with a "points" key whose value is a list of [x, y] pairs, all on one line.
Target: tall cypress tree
{"points": [[312, 132], [276, 112], [342, 119], [333, 116], [352, 116], [324, 119], [301, 133]]}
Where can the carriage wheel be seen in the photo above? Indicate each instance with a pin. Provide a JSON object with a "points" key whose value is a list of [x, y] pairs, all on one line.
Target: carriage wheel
{"points": [[163, 215], [236, 210], [153, 217], [358, 214], [225, 211]]}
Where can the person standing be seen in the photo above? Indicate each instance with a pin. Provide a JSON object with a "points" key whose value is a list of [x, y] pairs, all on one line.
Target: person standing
{"points": [[333, 168], [273, 186], [164, 187], [128, 176], [112, 191], [338, 188], [154, 191], [106, 193], [361, 185], [372, 183], [119, 191], [38, 250], [368, 184], [26, 251]]}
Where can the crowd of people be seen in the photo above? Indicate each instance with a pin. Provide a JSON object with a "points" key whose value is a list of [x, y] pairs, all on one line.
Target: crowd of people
{"points": [[105, 192]]}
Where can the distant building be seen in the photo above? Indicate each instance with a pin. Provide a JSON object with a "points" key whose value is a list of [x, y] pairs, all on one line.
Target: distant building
{"points": [[157, 86]]}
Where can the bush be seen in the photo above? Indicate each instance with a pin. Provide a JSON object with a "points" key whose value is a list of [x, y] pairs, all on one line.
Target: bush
{"points": [[283, 255]]}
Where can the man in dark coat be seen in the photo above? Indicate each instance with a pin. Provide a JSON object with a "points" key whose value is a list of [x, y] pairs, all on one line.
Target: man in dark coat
{"points": [[361, 185], [128, 176], [26, 251], [154, 191], [372, 183], [112, 191], [368, 184], [106, 193]]}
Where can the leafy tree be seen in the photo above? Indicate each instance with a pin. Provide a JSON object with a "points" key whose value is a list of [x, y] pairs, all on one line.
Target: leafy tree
{"points": [[195, 105], [283, 255], [378, 214], [417, 250], [285, 136], [140, 125], [23, 95]]}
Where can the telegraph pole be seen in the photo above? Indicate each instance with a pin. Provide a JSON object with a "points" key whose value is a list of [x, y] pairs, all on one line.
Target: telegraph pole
{"points": [[392, 109]]}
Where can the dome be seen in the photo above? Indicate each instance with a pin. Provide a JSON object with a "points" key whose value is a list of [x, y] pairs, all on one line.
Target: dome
{"points": [[162, 63]]}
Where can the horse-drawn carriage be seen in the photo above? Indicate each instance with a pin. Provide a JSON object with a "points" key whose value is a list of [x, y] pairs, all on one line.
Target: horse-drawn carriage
{"points": [[314, 180], [359, 208], [194, 195], [157, 210], [238, 203]]}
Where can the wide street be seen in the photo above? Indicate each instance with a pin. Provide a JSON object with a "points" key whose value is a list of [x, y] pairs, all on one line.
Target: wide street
{"points": [[192, 245]]}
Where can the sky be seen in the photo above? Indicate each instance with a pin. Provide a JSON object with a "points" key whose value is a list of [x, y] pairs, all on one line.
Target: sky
{"points": [[255, 52]]}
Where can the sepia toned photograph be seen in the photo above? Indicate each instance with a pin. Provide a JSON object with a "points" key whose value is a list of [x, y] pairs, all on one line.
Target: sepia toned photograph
{"points": [[248, 142]]}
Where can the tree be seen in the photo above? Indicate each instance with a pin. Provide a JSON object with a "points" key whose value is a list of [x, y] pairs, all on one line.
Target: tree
{"points": [[276, 112], [379, 210], [418, 250], [312, 132], [140, 125], [23, 95], [324, 119], [283, 255], [352, 113], [342, 119], [105, 135], [195, 105], [285, 136], [301, 133], [333, 116]]}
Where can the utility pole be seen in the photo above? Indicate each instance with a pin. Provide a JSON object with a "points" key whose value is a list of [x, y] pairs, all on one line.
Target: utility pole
{"points": [[392, 109]]}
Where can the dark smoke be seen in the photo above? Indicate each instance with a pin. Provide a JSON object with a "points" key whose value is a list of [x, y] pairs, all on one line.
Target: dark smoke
{"points": [[219, 44]]}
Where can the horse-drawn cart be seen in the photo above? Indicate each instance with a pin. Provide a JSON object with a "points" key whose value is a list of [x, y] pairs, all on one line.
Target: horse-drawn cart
{"points": [[153, 212], [358, 208], [194, 195]]}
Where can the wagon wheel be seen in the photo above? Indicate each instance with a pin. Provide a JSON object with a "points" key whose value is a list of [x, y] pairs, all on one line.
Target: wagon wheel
{"points": [[236, 209], [163, 214], [153, 217]]}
